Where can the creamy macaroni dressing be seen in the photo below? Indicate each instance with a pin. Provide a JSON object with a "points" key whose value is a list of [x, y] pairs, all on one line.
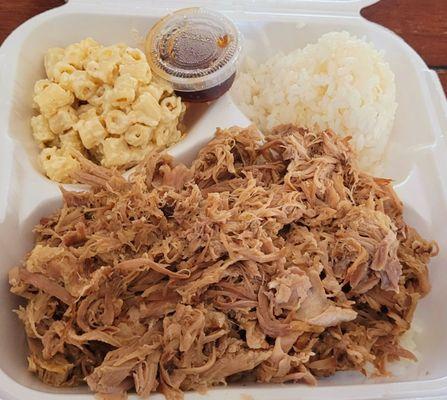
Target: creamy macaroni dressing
{"points": [[103, 102]]}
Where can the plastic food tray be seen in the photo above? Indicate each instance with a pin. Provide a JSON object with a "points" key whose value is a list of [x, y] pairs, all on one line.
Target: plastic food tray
{"points": [[416, 160]]}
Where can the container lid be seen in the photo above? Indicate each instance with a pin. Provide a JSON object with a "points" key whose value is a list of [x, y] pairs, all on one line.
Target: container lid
{"points": [[194, 48]]}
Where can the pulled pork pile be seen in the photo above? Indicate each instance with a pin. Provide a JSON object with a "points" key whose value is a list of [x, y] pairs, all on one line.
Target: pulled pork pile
{"points": [[270, 259]]}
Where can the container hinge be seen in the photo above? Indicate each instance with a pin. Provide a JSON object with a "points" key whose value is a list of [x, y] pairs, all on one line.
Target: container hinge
{"points": [[332, 7]]}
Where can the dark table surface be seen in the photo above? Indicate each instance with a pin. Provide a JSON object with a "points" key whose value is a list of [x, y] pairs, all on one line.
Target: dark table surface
{"points": [[422, 23]]}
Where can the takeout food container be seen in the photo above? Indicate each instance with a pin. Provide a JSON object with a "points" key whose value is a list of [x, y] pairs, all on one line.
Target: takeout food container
{"points": [[416, 160]]}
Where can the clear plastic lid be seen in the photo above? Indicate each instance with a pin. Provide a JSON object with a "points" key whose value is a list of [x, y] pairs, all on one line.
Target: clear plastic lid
{"points": [[194, 49]]}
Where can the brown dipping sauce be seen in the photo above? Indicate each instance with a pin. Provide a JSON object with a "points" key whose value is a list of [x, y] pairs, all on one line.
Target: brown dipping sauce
{"points": [[196, 50], [202, 96]]}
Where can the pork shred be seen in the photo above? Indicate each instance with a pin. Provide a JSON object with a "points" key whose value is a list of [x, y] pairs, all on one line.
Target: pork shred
{"points": [[273, 259]]}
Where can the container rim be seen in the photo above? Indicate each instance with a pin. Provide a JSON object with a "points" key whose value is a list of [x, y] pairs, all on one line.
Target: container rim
{"points": [[428, 389]]}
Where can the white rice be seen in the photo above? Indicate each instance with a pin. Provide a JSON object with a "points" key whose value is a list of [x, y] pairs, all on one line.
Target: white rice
{"points": [[341, 82]]}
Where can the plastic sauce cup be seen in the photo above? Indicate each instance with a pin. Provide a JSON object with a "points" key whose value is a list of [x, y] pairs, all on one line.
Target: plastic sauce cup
{"points": [[196, 50]]}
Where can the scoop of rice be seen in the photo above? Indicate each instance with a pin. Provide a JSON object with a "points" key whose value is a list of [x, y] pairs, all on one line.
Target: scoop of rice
{"points": [[341, 82]]}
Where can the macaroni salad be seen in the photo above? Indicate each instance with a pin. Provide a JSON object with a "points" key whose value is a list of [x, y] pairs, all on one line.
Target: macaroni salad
{"points": [[103, 102]]}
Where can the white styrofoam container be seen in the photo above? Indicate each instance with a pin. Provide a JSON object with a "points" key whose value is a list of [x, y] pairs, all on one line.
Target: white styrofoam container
{"points": [[416, 161]]}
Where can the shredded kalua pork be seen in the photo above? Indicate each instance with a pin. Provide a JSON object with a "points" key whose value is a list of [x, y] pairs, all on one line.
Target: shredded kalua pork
{"points": [[271, 259]]}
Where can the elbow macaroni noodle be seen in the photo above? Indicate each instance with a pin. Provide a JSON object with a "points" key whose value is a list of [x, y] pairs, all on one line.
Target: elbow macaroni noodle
{"points": [[103, 102]]}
